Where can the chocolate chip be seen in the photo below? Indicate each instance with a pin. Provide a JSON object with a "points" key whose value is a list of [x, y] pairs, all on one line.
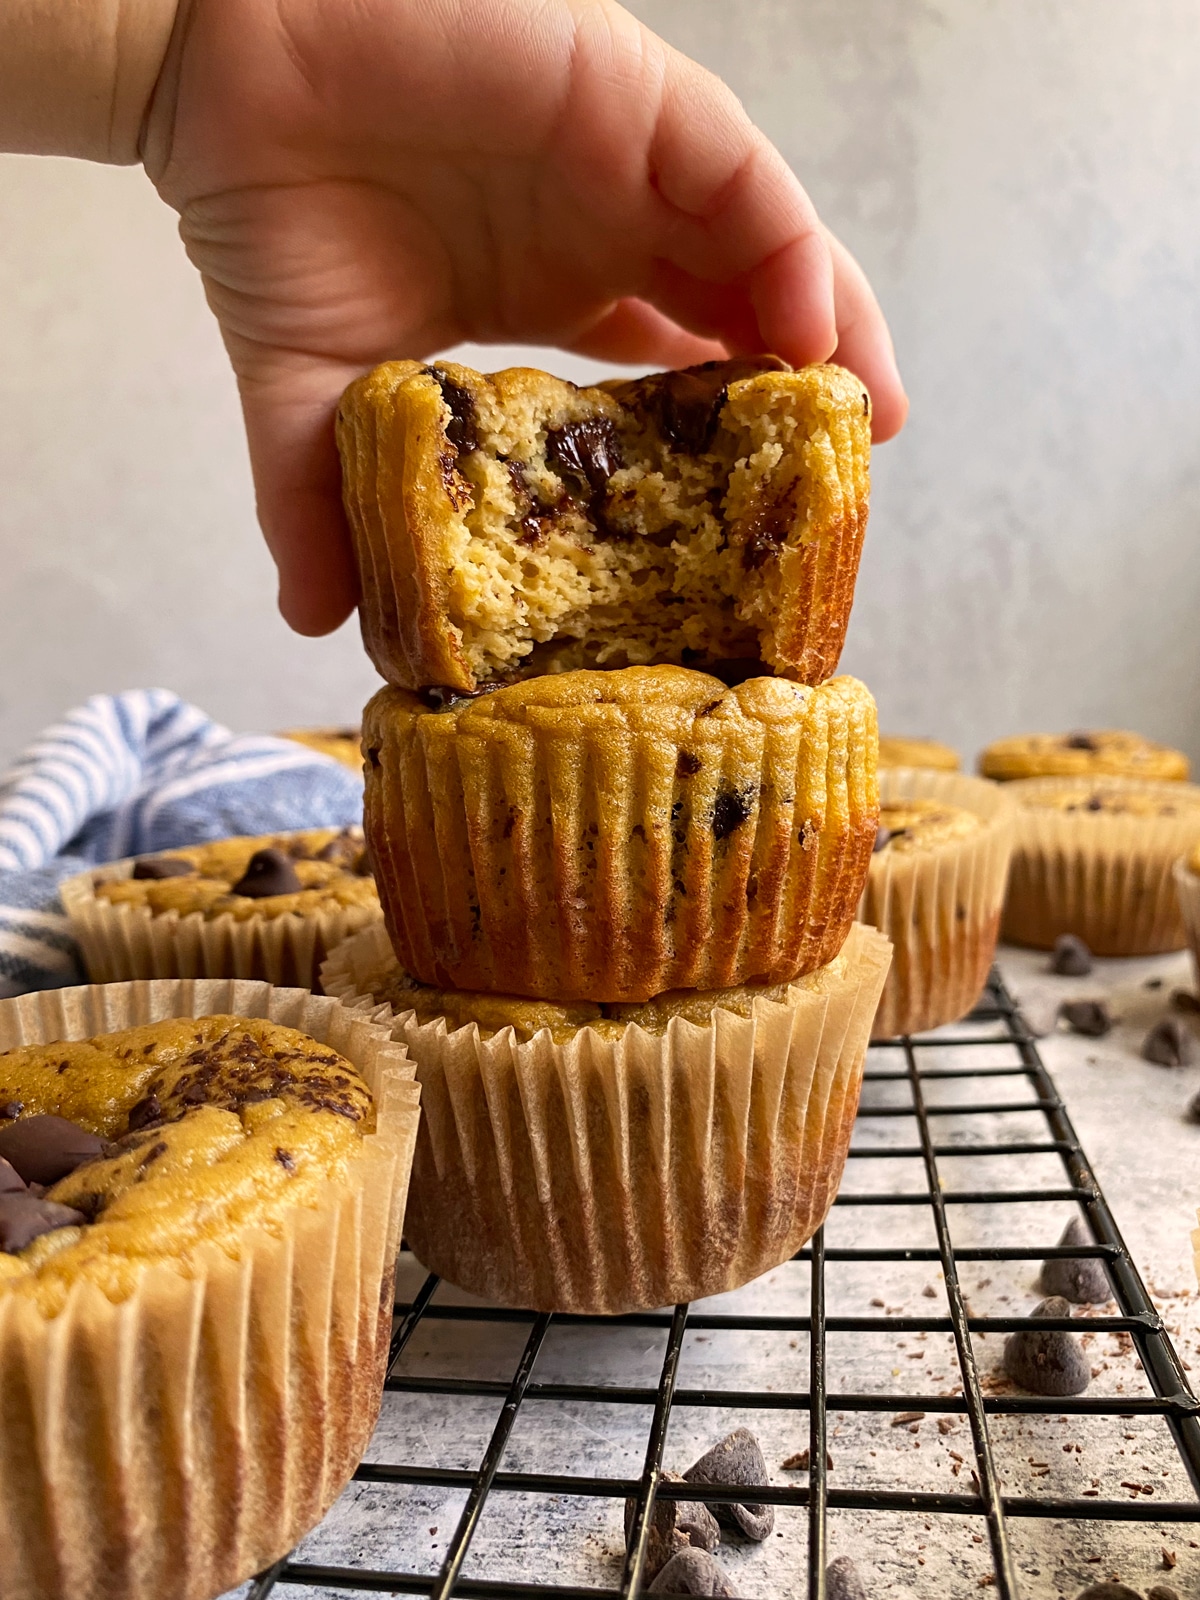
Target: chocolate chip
{"points": [[687, 765], [11, 1109], [674, 1526], [438, 698], [882, 835], [1169, 1044], [24, 1217], [286, 1160], [730, 810], [342, 851], [1088, 1017], [145, 1114], [1050, 1362], [44, 1149], [588, 451], [268, 873], [162, 867], [463, 428], [1080, 1279], [843, 1581], [11, 1181], [691, 1572], [685, 405], [1108, 1591], [1184, 1000], [1161, 1591], [738, 669], [1192, 1110], [1093, 803], [1079, 741], [736, 1459], [1071, 958]]}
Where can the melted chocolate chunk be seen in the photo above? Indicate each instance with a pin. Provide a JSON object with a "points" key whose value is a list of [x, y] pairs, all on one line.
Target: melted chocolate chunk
{"points": [[1080, 741], [147, 1113], [438, 698], [162, 867], [25, 1217], [588, 451], [730, 810], [44, 1149], [463, 428], [685, 405], [687, 765], [764, 533], [269, 872]]}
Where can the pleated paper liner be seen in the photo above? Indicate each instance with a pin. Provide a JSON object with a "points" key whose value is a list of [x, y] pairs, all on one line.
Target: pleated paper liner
{"points": [[1105, 877], [608, 1175], [940, 907], [121, 942], [169, 1446]]}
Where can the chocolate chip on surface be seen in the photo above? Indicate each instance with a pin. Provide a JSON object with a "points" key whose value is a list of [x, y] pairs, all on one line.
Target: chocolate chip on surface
{"points": [[1162, 1591], [1071, 958], [268, 873], [882, 835], [1080, 1279], [692, 1572], [1050, 1362], [162, 867], [25, 1217], [1088, 1017], [843, 1581], [1185, 1000], [1079, 741], [675, 1525], [44, 1149], [11, 1181], [343, 850], [1108, 1591], [736, 1459], [1169, 1044], [1192, 1109]]}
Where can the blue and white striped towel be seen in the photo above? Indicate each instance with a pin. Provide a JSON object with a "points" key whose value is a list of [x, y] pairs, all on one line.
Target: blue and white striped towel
{"points": [[130, 773]]}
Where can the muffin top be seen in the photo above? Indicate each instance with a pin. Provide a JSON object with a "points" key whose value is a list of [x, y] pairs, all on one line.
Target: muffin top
{"points": [[1110, 753], [321, 869], [1110, 799], [138, 1147], [895, 751], [492, 1012], [908, 826], [341, 744]]}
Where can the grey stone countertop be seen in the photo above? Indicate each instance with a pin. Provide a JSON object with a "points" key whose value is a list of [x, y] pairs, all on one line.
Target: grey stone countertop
{"points": [[1130, 1118]]}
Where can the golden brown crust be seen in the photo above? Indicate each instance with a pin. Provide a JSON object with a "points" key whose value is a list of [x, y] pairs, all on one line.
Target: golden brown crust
{"points": [[898, 751], [434, 521], [1094, 753], [339, 744], [609, 836]]}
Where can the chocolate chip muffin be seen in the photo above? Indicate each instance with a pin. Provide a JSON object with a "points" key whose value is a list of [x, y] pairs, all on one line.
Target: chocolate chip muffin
{"points": [[271, 907], [936, 888], [1109, 753], [896, 751], [631, 1158], [339, 744], [1095, 858], [606, 836], [198, 1222], [513, 524]]}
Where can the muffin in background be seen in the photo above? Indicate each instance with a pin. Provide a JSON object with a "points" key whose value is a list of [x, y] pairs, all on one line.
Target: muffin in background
{"points": [[1095, 858], [340, 744], [204, 1252], [936, 888], [607, 836], [898, 751], [1109, 753], [271, 906], [657, 1153]]}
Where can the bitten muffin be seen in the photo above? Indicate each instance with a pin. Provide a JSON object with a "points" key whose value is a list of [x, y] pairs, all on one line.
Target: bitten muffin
{"points": [[198, 1223], [936, 888], [340, 744], [1095, 858], [510, 524], [895, 751], [654, 1154], [607, 836], [268, 907], [1109, 753]]}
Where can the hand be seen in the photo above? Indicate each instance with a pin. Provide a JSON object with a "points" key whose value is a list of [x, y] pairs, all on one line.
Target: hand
{"points": [[361, 179]]}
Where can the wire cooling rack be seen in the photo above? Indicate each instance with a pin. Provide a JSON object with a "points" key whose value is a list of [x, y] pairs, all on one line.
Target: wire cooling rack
{"points": [[572, 1415]]}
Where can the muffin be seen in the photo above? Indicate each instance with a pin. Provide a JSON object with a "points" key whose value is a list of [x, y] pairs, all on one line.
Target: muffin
{"points": [[1108, 754], [650, 1155], [339, 744], [936, 888], [606, 836], [268, 907], [199, 1218], [895, 751], [1095, 858], [510, 524]]}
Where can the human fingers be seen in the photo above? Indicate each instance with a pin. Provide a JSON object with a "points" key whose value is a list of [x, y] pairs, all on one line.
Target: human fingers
{"points": [[634, 332], [864, 343]]}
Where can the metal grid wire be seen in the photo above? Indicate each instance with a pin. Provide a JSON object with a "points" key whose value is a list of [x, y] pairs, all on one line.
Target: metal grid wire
{"points": [[995, 1021]]}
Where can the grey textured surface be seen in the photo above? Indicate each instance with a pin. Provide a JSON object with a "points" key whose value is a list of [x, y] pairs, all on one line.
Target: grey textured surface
{"points": [[1130, 1118]]}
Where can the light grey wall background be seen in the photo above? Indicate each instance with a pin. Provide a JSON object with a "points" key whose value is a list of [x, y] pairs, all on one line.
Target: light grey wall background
{"points": [[1021, 179]]}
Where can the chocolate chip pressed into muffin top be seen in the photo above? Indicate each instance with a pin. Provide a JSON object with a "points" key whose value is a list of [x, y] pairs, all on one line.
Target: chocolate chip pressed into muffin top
{"points": [[142, 1146], [1098, 799], [1103, 753], [914, 825]]}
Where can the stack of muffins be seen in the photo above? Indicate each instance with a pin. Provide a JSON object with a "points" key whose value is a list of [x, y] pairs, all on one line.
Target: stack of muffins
{"points": [[620, 814]]}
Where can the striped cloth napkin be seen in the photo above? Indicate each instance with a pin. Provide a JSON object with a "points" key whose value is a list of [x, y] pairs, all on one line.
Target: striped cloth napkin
{"points": [[131, 773]]}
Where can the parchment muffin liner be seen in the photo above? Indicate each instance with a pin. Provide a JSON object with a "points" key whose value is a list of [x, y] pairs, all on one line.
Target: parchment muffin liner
{"points": [[1106, 878], [1187, 893], [940, 907], [121, 942], [169, 1446], [608, 1175]]}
